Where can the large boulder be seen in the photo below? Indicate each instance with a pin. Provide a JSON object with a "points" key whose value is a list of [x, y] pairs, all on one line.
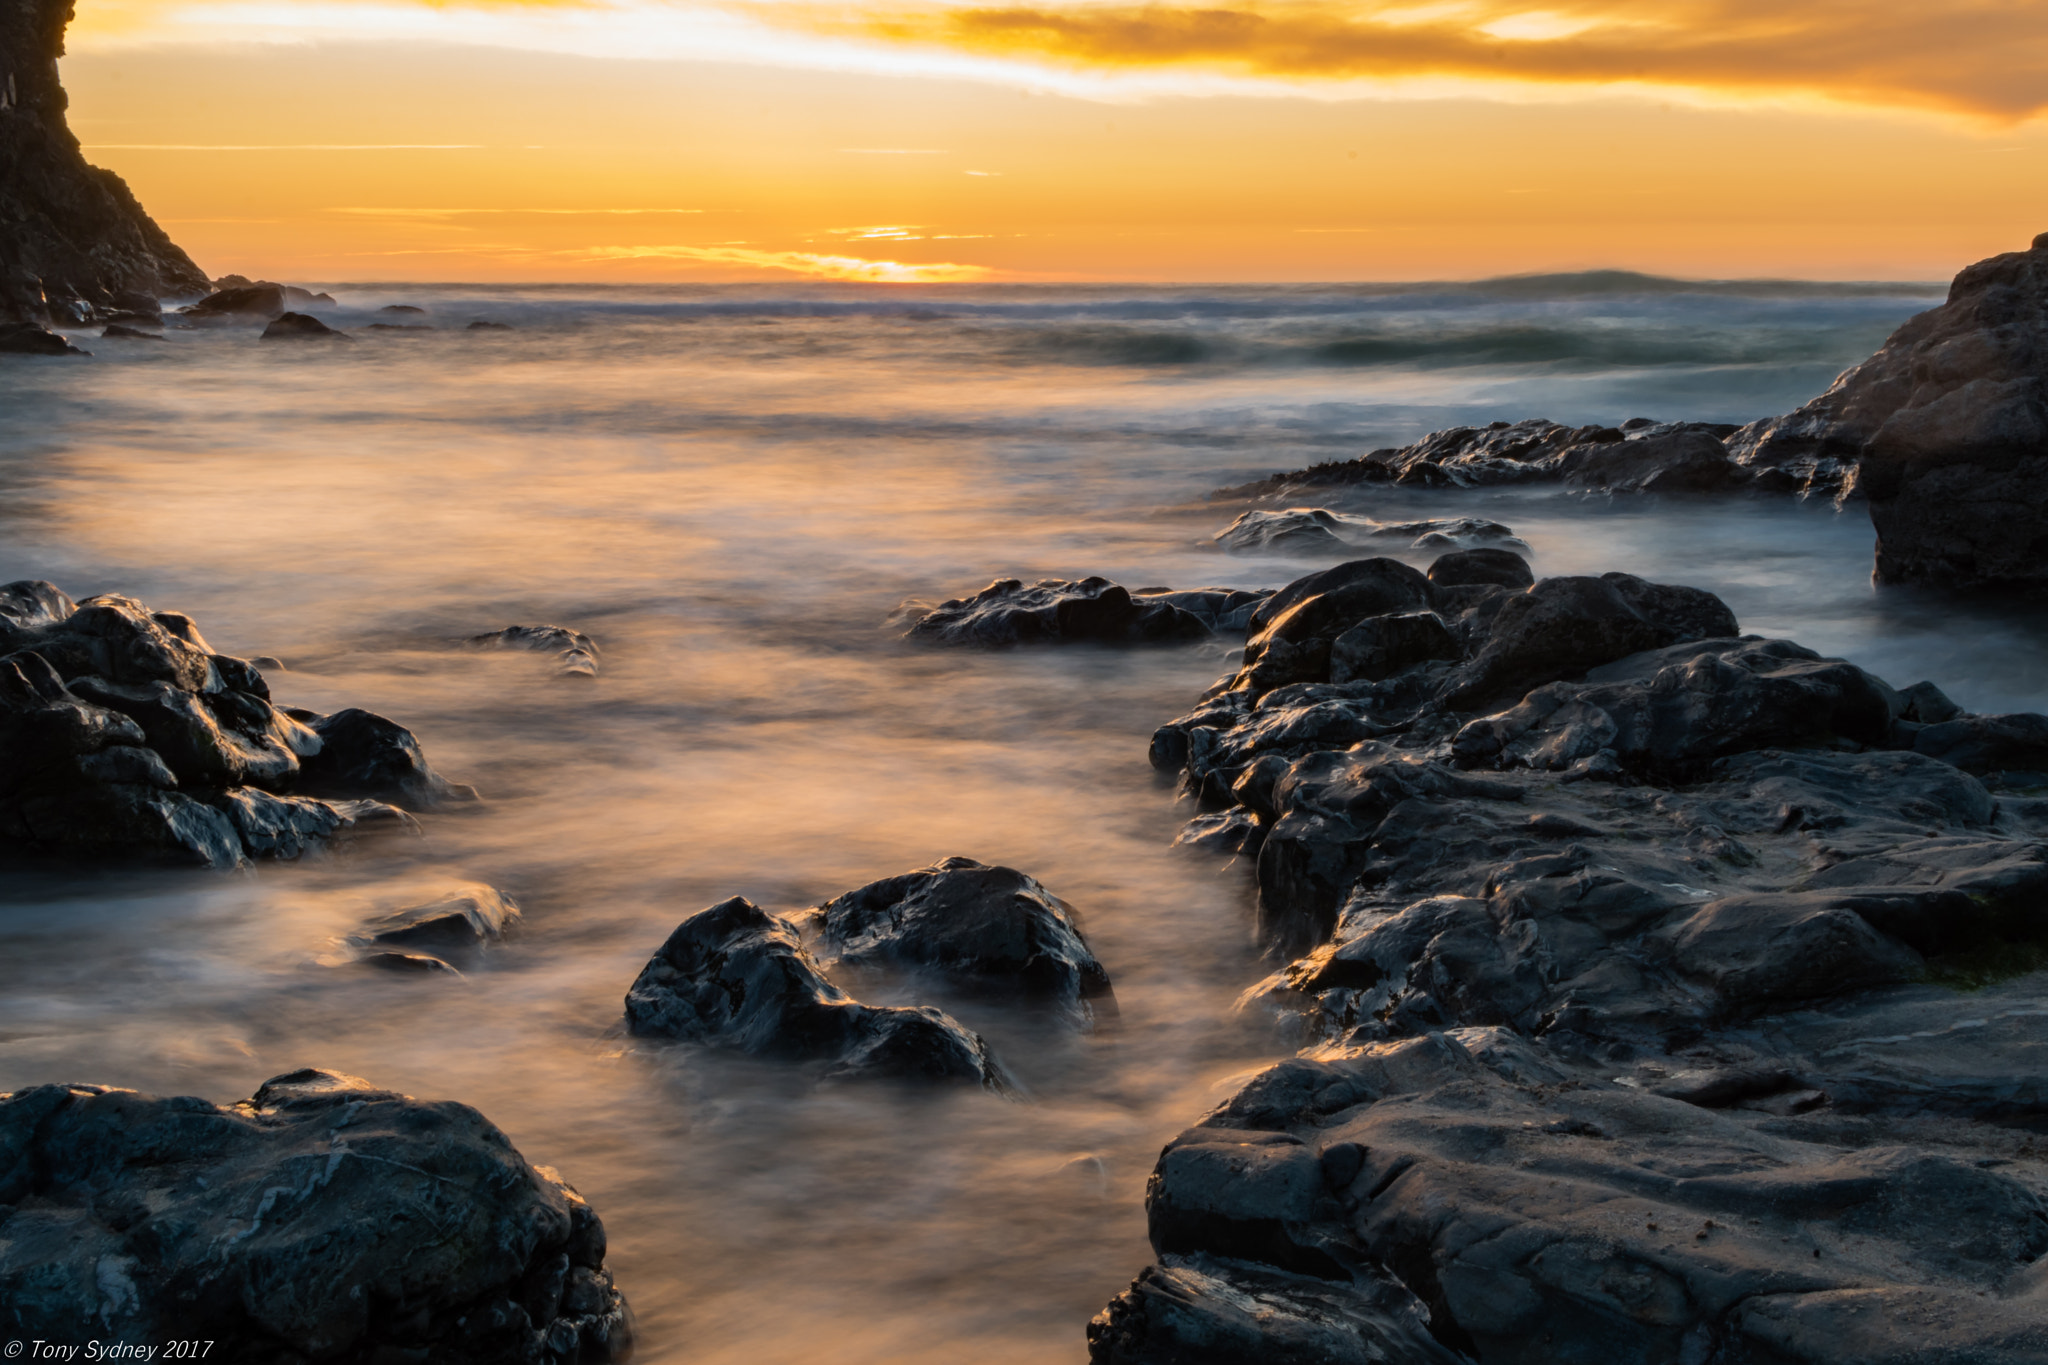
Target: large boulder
{"points": [[1948, 423], [1093, 610], [973, 929], [322, 1219], [1294, 630], [736, 978]]}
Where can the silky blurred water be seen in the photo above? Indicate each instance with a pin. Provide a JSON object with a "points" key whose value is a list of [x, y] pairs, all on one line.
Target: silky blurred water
{"points": [[731, 488]]}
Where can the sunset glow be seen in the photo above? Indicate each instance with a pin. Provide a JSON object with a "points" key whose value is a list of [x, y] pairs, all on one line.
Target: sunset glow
{"points": [[1284, 141]]}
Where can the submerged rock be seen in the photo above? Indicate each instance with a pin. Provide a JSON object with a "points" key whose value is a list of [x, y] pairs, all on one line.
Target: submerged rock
{"points": [[456, 925], [323, 1219], [300, 327], [118, 332], [127, 735], [32, 338], [576, 651], [1093, 610], [736, 978], [1308, 531], [1625, 951], [976, 929]]}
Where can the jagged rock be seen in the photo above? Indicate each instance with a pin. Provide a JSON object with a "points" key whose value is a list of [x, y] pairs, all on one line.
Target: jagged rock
{"points": [[75, 243], [978, 930], [2016, 745], [127, 735], [1671, 712], [576, 651], [1094, 610], [1947, 425], [736, 978], [324, 1219], [300, 327], [32, 338], [1315, 531], [1641, 457]]}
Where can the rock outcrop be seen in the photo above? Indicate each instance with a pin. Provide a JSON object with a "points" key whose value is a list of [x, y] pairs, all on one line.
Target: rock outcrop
{"points": [[1315, 531], [75, 246], [127, 735], [1640, 456], [969, 929], [1948, 428], [1092, 610], [1625, 951], [323, 1219], [738, 979]]}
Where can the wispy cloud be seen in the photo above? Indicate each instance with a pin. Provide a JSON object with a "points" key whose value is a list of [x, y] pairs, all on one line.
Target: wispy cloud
{"points": [[813, 264], [1984, 58]]}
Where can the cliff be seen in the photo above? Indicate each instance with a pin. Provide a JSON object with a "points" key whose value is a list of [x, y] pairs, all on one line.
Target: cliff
{"points": [[72, 236]]}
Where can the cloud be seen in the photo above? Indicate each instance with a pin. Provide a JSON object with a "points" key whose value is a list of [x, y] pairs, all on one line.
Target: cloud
{"points": [[1987, 59], [812, 264]]}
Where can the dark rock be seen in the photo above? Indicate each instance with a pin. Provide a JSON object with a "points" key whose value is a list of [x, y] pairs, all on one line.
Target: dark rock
{"points": [[979, 930], [129, 736], [456, 924], [1295, 630], [399, 327], [1474, 568], [1689, 460], [1927, 704], [411, 964], [1298, 530], [300, 326], [736, 978], [1989, 744], [76, 244], [363, 754], [118, 332], [400, 308], [323, 1219], [1093, 610], [482, 326], [32, 338], [1562, 627], [1380, 646], [249, 300], [576, 652]]}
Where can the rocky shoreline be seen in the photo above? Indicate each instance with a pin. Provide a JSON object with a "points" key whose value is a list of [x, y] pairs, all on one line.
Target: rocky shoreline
{"points": [[1625, 953]]}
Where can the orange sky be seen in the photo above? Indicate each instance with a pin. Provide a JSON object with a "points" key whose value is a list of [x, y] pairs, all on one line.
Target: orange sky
{"points": [[327, 140]]}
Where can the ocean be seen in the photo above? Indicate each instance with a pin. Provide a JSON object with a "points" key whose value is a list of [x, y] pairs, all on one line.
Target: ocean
{"points": [[731, 488]]}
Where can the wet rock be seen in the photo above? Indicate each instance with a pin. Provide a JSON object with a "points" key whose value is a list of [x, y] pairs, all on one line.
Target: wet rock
{"points": [[1380, 646], [1093, 610], [115, 331], [458, 923], [130, 737], [324, 1219], [401, 308], [1479, 568], [978, 930], [29, 338], [2016, 745], [409, 964], [575, 651], [264, 300], [1947, 428], [300, 327], [1294, 631], [736, 978], [1562, 627], [480, 325], [1644, 457], [1652, 1026], [1298, 530]]}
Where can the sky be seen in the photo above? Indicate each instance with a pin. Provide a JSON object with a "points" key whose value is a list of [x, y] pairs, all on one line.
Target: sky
{"points": [[925, 141]]}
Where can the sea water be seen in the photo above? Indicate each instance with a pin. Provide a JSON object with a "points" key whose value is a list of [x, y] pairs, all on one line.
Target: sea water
{"points": [[731, 488]]}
